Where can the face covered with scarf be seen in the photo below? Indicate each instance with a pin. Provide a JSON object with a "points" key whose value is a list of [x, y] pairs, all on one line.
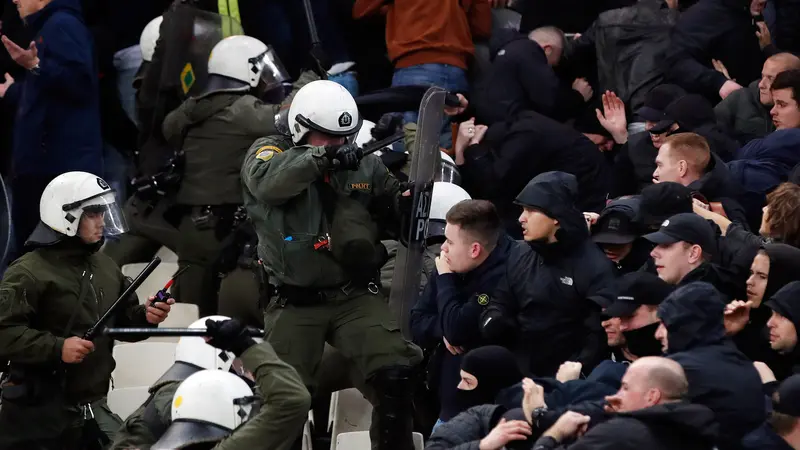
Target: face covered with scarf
{"points": [[486, 371]]}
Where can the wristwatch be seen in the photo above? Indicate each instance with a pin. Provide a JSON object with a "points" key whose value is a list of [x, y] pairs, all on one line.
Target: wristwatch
{"points": [[35, 69], [537, 414]]}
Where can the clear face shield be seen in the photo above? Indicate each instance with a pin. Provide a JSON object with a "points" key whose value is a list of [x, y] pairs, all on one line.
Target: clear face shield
{"points": [[274, 83], [102, 217]]}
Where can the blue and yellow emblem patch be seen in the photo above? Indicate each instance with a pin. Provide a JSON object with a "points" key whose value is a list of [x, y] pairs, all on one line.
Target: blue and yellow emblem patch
{"points": [[266, 152]]}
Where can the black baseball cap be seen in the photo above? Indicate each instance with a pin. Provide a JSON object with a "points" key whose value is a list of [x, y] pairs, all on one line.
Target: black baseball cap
{"points": [[660, 201], [786, 399], [614, 228], [689, 111], [686, 227], [657, 100], [637, 289]]}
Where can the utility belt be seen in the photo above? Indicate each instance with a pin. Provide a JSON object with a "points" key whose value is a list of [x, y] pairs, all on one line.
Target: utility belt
{"points": [[303, 296], [221, 218]]}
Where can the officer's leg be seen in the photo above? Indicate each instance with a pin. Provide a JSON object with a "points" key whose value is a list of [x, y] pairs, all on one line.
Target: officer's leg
{"points": [[298, 336], [366, 333], [198, 247], [108, 422], [238, 297]]}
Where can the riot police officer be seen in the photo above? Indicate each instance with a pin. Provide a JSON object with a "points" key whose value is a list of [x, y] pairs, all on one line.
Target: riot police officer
{"points": [[214, 131], [55, 395], [312, 206]]}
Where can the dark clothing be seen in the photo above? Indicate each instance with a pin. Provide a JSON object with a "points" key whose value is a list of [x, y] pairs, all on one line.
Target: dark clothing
{"points": [[717, 185], [465, 431], [662, 427], [547, 306], [720, 376], [634, 165], [720, 143], [742, 116], [127, 20], [713, 29], [57, 128], [502, 164], [450, 307], [629, 44], [27, 191], [572, 16], [520, 79], [762, 165], [764, 438]]}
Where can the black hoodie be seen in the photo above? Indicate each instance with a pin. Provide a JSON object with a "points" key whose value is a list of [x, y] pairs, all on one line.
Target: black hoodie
{"points": [[547, 306], [717, 185], [753, 340], [720, 376], [785, 302], [667, 426]]}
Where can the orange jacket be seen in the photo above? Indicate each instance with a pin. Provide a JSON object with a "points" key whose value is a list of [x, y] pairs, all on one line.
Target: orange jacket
{"points": [[430, 31]]}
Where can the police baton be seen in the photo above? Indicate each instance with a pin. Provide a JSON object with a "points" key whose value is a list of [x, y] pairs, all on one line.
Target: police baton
{"points": [[124, 333], [99, 325]]}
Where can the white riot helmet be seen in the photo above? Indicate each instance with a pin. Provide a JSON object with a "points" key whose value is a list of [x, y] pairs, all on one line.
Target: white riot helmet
{"points": [[445, 196], [67, 198], [207, 407], [248, 60], [448, 171], [323, 106], [195, 351], [147, 42]]}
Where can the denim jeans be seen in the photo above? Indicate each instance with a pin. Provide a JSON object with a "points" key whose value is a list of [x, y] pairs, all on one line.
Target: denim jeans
{"points": [[348, 80], [451, 78], [127, 62]]}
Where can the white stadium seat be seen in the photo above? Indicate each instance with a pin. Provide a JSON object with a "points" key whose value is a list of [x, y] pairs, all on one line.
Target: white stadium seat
{"points": [[359, 440], [349, 412], [167, 255], [123, 402], [181, 315], [141, 363]]}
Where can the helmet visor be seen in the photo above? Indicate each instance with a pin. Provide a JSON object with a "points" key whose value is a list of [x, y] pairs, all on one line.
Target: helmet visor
{"points": [[102, 217], [273, 74]]}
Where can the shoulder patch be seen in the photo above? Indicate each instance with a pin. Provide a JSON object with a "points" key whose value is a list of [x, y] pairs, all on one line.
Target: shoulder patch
{"points": [[266, 152], [483, 299]]}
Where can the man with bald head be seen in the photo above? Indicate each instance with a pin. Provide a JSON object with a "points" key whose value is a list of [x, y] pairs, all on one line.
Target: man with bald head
{"points": [[648, 412], [745, 114]]}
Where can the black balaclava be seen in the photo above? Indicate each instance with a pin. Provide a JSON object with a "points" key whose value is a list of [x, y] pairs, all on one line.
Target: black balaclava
{"points": [[495, 368], [642, 341]]}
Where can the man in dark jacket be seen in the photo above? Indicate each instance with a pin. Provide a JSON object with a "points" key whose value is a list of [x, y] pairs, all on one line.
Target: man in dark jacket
{"points": [[782, 430], [498, 167], [521, 77], [745, 114], [686, 158], [650, 411], [57, 128], [714, 29], [618, 233], [784, 323], [720, 376], [547, 306], [472, 260]]}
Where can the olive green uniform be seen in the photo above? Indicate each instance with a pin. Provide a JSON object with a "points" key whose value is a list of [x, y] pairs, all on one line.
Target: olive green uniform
{"points": [[148, 231], [145, 425], [47, 295], [214, 131]]}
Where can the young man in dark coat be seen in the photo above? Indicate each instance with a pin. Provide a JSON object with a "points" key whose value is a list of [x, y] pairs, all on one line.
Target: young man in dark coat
{"points": [[720, 376], [547, 306], [57, 128]]}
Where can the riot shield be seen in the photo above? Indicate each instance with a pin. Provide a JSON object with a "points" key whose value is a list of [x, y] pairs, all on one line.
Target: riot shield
{"points": [[5, 225], [425, 162], [188, 35]]}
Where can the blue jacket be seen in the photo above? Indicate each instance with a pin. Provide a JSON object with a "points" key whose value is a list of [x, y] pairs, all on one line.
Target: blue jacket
{"points": [[57, 128], [450, 307]]}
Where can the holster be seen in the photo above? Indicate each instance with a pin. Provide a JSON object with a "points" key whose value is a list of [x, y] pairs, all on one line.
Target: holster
{"points": [[31, 386]]}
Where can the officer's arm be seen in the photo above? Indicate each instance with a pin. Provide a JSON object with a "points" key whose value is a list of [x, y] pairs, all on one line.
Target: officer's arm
{"points": [[141, 431], [20, 294], [274, 177], [134, 314], [284, 407], [173, 126]]}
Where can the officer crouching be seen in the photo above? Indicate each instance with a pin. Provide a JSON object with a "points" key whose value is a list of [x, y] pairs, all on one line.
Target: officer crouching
{"points": [[54, 396]]}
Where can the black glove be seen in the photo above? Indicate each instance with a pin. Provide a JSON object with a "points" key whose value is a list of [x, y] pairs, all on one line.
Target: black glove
{"points": [[387, 126], [344, 157], [406, 202], [229, 335]]}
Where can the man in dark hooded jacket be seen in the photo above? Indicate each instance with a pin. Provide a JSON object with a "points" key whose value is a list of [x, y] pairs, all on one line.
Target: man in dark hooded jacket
{"points": [[617, 231], [784, 323], [720, 376], [498, 167], [729, 37], [547, 306]]}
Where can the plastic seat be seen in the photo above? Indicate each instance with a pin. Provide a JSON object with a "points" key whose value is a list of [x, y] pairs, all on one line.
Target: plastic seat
{"points": [[359, 440], [349, 412], [167, 255], [125, 401], [155, 281], [181, 315], [140, 364]]}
